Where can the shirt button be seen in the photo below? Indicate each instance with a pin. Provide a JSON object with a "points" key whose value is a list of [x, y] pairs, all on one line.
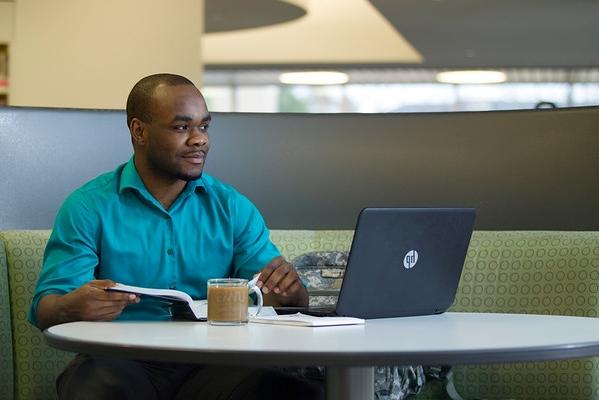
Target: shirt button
{"points": [[173, 286], [170, 252]]}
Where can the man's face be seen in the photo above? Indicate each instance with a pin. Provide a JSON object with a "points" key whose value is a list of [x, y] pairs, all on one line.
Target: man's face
{"points": [[176, 141]]}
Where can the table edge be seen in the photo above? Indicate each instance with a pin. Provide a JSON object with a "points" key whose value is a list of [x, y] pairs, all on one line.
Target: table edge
{"points": [[289, 358]]}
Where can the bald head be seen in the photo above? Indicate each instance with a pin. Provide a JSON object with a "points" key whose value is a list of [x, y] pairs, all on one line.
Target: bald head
{"points": [[139, 102]]}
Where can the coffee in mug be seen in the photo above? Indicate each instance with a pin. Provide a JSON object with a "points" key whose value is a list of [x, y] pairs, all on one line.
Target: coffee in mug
{"points": [[228, 301]]}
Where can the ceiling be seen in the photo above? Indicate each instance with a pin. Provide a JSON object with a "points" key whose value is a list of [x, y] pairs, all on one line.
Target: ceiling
{"points": [[402, 33], [504, 33]]}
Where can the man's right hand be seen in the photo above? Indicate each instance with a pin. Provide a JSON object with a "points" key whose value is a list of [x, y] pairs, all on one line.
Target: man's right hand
{"points": [[90, 302]]}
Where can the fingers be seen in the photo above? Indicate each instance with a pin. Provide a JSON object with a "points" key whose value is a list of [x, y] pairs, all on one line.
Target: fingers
{"points": [[91, 302], [288, 282], [102, 283], [293, 288], [94, 310], [119, 297], [108, 313], [268, 277], [98, 290], [278, 277]]}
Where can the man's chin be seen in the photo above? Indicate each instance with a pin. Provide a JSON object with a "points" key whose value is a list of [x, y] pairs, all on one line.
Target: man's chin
{"points": [[190, 176]]}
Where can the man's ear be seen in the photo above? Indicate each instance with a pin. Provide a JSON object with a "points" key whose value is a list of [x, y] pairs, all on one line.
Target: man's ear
{"points": [[138, 132]]}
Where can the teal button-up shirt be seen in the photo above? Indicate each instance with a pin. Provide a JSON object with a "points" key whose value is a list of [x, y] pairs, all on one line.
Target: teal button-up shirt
{"points": [[112, 228]]}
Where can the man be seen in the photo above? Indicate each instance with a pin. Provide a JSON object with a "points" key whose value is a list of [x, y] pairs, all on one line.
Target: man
{"points": [[158, 221]]}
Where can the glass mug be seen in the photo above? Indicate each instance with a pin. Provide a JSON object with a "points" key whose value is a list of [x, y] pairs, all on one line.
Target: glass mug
{"points": [[228, 300]]}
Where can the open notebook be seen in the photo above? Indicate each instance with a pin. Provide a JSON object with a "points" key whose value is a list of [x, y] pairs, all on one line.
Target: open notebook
{"points": [[182, 305]]}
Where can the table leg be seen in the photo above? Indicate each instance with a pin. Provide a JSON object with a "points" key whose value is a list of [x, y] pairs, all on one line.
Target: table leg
{"points": [[350, 383]]}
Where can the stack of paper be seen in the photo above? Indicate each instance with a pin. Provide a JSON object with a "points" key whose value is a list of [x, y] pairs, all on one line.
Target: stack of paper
{"points": [[300, 319]]}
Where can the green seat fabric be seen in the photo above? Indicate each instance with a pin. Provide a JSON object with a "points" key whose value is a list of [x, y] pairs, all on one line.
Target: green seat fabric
{"points": [[511, 272], [36, 365], [6, 361], [293, 243], [433, 390], [554, 273]]}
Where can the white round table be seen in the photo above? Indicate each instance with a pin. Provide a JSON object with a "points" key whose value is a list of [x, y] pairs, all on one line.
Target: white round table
{"points": [[348, 352]]}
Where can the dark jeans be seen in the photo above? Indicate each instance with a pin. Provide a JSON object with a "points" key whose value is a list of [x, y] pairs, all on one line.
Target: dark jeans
{"points": [[93, 377]]}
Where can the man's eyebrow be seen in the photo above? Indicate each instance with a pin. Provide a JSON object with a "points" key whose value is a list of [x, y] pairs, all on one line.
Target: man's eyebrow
{"points": [[182, 118], [187, 118]]}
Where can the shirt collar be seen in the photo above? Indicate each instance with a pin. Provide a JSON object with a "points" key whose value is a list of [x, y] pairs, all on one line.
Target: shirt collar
{"points": [[130, 179]]}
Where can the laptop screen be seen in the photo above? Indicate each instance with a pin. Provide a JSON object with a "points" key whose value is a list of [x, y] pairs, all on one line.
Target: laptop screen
{"points": [[405, 261]]}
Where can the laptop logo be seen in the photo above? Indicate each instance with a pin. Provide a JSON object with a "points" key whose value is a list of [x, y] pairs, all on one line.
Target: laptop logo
{"points": [[410, 260]]}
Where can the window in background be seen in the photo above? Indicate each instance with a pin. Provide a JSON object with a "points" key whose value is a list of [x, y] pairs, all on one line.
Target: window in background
{"points": [[585, 94], [244, 92], [219, 98], [509, 96]]}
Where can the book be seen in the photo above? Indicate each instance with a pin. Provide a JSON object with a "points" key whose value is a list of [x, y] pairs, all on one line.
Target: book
{"points": [[183, 305], [299, 319]]}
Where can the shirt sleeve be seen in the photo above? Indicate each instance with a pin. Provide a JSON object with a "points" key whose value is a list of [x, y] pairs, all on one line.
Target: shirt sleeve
{"points": [[253, 248], [71, 254]]}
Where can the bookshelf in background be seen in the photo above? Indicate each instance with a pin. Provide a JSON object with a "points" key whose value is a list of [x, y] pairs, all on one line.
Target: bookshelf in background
{"points": [[3, 74]]}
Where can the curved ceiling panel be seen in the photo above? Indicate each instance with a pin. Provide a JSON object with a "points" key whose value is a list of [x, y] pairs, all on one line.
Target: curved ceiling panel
{"points": [[230, 15]]}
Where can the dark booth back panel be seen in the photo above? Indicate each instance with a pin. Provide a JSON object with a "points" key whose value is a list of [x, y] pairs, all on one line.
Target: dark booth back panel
{"points": [[533, 169]]}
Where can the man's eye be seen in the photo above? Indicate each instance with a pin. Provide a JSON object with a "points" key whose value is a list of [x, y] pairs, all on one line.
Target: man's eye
{"points": [[180, 128], [204, 128]]}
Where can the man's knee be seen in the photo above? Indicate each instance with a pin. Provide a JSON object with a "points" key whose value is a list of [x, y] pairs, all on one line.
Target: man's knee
{"points": [[93, 378]]}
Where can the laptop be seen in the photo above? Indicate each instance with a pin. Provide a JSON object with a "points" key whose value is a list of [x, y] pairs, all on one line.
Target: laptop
{"points": [[402, 262]]}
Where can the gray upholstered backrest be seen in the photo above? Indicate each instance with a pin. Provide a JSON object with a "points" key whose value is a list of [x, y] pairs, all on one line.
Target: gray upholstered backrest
{"points": [[47, 153], [534, 169]]}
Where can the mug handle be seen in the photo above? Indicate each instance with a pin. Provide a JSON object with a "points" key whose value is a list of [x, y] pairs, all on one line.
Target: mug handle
{"points": [[253, 288]]}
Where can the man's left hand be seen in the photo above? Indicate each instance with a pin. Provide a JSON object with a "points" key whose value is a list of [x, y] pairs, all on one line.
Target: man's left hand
{"points": [[280, 283]]}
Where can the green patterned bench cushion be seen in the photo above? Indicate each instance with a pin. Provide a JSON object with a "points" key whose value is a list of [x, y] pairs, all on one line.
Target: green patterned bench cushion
{"points": [[6, 360], [36, 365], [293, 243], [515, 272], [531, 273]]}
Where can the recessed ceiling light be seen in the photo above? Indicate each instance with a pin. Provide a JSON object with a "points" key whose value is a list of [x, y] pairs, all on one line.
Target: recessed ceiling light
{"points": [[472, 77], [314, 78]]}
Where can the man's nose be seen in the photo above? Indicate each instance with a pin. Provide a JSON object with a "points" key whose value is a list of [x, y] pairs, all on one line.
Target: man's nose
{"points": [[198, 137]]}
